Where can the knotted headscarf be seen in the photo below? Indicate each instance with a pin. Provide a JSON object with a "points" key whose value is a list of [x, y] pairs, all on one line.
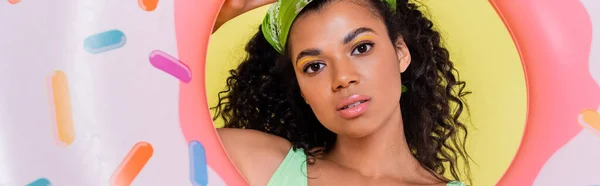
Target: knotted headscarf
{"points": [[278, 21]]}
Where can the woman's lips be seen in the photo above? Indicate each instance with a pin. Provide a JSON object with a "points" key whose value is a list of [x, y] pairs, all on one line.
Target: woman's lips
{"points": [[353, 106]]}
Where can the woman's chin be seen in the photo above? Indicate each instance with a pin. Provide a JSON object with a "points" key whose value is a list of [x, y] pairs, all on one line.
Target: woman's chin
{"points": [[357, 131]]}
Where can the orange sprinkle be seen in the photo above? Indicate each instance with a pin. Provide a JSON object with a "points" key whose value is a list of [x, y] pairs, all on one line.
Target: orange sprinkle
{"points": [[148, 5], [592, 118], [133, 163], [14, 1], [61, 102]]}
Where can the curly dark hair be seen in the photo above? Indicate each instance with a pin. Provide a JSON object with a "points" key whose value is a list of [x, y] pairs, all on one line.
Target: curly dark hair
{"points": [[263, 94]]}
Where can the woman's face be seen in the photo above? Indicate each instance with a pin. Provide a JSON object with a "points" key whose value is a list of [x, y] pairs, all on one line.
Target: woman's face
{"points": [[347, 68]]}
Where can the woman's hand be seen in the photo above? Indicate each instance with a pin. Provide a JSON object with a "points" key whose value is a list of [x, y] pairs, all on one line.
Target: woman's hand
{"points": [[234, 8]]}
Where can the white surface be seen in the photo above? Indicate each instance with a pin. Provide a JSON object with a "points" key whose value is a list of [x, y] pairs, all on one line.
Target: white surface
{"points": [[118, 98]]}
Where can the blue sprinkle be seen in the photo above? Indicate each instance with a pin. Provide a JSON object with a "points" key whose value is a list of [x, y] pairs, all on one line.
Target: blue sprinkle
{"points": [[104, 41], [40, 182], [198, 168]]}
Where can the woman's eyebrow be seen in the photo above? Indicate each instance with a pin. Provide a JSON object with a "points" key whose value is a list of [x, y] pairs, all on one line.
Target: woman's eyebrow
{"points": [[308, 52], [350, 36]]}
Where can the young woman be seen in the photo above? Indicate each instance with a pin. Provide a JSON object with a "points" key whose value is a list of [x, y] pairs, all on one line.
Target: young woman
{"points": [[343, 92]]}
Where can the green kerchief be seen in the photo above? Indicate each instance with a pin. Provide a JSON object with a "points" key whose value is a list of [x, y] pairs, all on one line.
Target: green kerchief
{"points": [[278, 21]]}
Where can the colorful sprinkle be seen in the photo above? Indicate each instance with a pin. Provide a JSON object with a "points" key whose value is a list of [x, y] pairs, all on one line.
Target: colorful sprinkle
{"points": [[104, 41], [591, 119], [199, 170], [60, 104], [148, 5], [14, 1], [133, 163], [170, 65], [40, 182]]}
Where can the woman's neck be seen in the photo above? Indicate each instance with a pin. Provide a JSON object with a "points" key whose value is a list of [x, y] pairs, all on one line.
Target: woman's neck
{"points": [[381, 154]]}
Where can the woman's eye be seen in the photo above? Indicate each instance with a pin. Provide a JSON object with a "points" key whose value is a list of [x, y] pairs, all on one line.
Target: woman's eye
{"points": [[362, 48], [314, 67]]}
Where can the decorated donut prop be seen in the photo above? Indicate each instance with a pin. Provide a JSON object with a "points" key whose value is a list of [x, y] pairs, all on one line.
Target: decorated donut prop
{"points": [[104, 92]]}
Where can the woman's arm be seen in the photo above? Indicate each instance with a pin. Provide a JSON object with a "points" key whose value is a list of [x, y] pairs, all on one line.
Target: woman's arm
{"points": [[234, 8], [255, 154]]}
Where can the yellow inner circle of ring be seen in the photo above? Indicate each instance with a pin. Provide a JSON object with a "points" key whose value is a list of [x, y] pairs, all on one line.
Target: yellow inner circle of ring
{"points": [[483, 52]]}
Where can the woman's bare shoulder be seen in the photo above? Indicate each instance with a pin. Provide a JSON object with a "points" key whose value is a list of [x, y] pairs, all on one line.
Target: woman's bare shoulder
{"points": [[254, 139], [256, 154]]}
